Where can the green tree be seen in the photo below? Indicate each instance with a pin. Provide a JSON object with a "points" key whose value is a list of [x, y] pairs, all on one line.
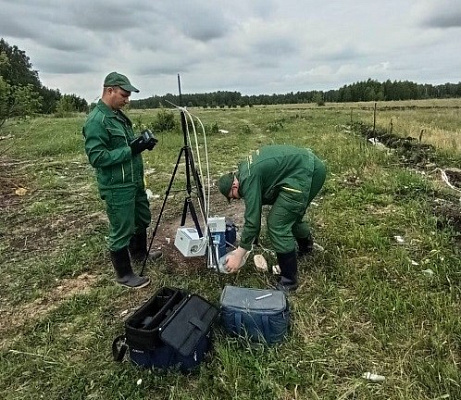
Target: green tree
{"points": [[18, 101], [65, 106], [165, 121], [16, 70], [25, 101], [15, 100], [50, 99], [70, 103], [4, 96], [19, 70], [318, 98]]}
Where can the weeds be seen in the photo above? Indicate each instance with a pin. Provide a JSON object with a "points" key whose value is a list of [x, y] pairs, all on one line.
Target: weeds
{"points": [[369, 302]]}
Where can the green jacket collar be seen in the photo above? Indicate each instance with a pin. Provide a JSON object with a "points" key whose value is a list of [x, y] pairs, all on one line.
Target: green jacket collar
{"points": [[105, 109], [108, 112]]}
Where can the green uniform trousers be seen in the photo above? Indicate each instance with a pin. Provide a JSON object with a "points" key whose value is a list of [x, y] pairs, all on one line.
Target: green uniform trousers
{"points": [[285, 220], [128, 212]]}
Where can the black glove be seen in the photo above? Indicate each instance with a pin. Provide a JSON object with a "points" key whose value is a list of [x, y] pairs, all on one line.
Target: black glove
{"points": [[149, 138], [146, 141], [138, 145]]}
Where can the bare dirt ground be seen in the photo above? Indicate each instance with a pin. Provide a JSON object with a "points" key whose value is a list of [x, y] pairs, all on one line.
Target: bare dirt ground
{"points": [[166, 232], [14, 318], [21, 233]]}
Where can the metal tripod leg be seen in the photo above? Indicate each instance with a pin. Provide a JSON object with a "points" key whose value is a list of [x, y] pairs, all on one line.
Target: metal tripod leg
{"points": [[190, 170], [167, 193]]}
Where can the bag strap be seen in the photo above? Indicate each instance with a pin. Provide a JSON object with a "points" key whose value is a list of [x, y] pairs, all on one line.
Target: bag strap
{"points": [[119, 348], [200, 325], [266, 326], [238, 322]]}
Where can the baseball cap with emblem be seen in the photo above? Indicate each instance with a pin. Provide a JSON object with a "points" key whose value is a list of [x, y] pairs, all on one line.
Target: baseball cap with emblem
{"points": [[225, 184], [117, 79]]}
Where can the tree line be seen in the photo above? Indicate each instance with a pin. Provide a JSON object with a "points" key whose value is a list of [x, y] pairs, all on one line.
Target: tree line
{"points": [[369, 90], [22, 93]]}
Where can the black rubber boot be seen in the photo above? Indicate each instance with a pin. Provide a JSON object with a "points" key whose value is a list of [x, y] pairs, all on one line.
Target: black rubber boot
{"points": [[138, 248], [288, 271], [125, 275], [305, 246]]}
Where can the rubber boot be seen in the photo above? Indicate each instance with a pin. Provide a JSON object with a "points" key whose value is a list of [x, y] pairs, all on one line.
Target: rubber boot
{"points": [[138, 248], [305, 246], [125, 275], [288, 271]]}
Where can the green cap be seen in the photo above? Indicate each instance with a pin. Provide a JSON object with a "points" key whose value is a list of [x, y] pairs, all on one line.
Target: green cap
{"points": [[116, 79], [225, 184]]}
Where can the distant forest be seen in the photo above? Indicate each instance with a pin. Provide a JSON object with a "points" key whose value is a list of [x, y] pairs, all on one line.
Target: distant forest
{"points": [[370, 90], [22, 93]]}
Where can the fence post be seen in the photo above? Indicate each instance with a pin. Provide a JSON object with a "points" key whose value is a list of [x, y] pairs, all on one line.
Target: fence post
{"points": [[374, 119]]}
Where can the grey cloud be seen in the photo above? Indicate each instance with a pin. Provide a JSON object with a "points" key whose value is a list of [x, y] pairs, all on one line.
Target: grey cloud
{"points": [[10, 27], [197, 20], [63, 38], [107, 17], [65, 65], [48, 27], [205, 33], [439, 14], [167, 65], [445, 21], [205, 21], [346, 53], [16, 23], [163, 70], [275, 47]]}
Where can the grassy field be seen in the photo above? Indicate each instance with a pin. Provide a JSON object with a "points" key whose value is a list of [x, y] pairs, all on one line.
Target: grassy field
{"points": [[383, 296]]}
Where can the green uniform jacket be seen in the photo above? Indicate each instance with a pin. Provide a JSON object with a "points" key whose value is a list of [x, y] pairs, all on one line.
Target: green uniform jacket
{"points": [[107, 137], [265, 173]]}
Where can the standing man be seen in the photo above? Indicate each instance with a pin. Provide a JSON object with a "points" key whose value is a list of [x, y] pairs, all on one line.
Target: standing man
{"points": [[288, 178], [114, 152]]}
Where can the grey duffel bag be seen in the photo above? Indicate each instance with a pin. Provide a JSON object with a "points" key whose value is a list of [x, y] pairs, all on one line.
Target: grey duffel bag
{"points": [[261, 315]]}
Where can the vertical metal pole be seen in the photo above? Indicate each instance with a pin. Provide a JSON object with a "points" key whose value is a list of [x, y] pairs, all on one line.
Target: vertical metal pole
{"points": [[374, 119]]}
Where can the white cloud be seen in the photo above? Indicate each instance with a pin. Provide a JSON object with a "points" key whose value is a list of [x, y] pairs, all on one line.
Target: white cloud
{"points": [[258, 46]]}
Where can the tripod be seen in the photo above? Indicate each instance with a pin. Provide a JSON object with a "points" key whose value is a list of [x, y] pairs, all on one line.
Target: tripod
{"points": [[191, 173]]}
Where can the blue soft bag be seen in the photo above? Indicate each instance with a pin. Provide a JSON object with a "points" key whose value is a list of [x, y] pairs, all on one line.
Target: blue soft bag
{"points": [[260, 315]]}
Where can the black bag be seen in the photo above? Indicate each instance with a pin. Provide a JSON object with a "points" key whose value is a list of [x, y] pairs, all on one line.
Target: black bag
{"points": [[172, 329], [261, 315]]}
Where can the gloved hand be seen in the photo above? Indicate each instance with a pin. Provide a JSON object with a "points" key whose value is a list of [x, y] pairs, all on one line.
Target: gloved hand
{"points": [[149, 138], [138, 145], [236, 259]]}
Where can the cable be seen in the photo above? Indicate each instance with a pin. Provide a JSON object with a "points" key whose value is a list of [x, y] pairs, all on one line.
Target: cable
{"points": [[205, 195], [189, 116], [204, 212]]}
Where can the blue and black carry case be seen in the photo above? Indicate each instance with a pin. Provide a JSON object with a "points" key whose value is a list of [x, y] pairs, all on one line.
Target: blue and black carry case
{"points": [[171, 330]]}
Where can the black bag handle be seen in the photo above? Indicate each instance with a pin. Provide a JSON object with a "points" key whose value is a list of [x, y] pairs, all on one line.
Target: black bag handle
{"points": [[200, 325], [119, 348]]}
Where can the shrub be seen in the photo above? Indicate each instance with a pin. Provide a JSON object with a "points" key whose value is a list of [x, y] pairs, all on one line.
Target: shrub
{"points": [[165, 121]]}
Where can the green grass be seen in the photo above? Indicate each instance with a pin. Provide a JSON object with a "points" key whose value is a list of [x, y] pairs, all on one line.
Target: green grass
{"points": [[367, 303]]}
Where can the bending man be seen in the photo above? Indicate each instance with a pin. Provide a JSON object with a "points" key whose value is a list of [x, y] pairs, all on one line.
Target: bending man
{"points": [[288, 178]]}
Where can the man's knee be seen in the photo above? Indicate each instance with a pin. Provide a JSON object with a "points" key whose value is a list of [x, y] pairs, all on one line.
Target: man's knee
{"points": [[281, 242]]}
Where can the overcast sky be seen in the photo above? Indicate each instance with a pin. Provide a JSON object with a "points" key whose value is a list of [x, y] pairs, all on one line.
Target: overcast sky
{"points": [[250, 46]]}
